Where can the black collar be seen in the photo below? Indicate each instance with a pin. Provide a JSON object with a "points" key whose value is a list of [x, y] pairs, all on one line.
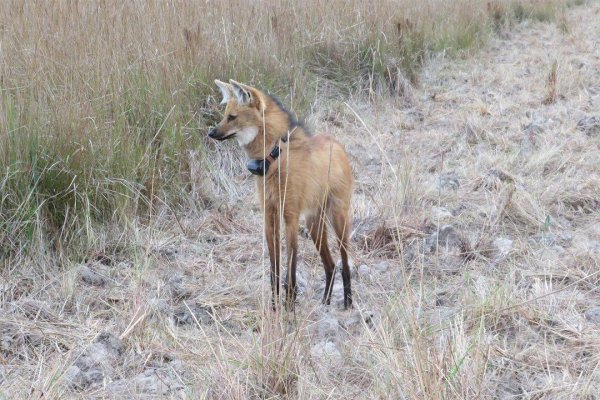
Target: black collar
{"points": [[260, 167]]}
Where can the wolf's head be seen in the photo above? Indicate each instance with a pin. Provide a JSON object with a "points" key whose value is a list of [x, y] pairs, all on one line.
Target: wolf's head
{"points": [[243, 117]]}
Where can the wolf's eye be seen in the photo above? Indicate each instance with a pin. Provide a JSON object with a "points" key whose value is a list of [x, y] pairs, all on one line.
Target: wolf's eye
{"points": [[231, 117]]}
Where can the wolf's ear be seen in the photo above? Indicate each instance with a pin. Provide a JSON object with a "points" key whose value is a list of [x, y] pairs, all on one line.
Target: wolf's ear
{"points": [[226, 90], [247, 95]]}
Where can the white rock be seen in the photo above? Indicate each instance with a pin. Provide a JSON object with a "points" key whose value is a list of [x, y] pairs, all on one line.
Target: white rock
{"points": [[448, 180], [363, 270], [149, 382], [503, 246], [381, 266], [327, 327], [326, 350], [593, 315], [92, 277], [73, 376], [440, 213]]}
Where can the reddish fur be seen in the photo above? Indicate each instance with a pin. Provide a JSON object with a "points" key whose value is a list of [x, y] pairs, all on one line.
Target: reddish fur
{"points": [[311, 177]]}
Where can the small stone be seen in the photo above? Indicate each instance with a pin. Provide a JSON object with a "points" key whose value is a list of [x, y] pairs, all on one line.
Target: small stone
{"points": [[530, 137], [168, 253], [589, 125], [363, 270], [356, 320], [503, 246], [93, 378], [95, 363], [440, 213], [73, 377], [533, 128], [326, 350], [104, 260], [36, 310], [189, 314], [92, 277], [160, 306], [448, 180], [149, 382], [327, 327], [381, 266], [177, 365], [9, 337], [351, 322], [111, 343], [368, 317], [593, 315], [178, 290], [446, 237]]}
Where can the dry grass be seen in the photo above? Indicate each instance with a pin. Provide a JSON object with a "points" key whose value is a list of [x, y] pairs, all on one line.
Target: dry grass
{"points": [[104, 105], [476, 214], [551, 94]]}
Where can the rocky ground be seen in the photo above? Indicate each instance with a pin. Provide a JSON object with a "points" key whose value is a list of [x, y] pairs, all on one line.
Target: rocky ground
{"points": [[476, 255]]}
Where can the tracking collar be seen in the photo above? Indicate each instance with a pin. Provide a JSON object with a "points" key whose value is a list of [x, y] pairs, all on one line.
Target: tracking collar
{"points": [[260, 167]]}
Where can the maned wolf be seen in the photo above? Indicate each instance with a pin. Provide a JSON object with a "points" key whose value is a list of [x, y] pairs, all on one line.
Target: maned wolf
{"points": [[297, 174]]}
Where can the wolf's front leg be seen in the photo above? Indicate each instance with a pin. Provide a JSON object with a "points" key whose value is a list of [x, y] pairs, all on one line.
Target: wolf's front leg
{"points": [[291, 234], [272, 237]]}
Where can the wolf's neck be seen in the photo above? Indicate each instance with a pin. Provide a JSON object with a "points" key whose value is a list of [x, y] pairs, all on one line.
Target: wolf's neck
{"points": [[277, 123]]}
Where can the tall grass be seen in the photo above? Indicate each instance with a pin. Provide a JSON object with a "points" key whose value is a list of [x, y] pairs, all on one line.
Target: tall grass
{"points": [[104, 104]]}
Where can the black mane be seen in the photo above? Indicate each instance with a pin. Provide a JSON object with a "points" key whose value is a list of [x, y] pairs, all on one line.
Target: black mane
{"points": [[294, 122]]}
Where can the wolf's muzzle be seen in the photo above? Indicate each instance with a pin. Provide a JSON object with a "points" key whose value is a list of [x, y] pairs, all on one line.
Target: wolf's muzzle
{"points": [[213, 133]]}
